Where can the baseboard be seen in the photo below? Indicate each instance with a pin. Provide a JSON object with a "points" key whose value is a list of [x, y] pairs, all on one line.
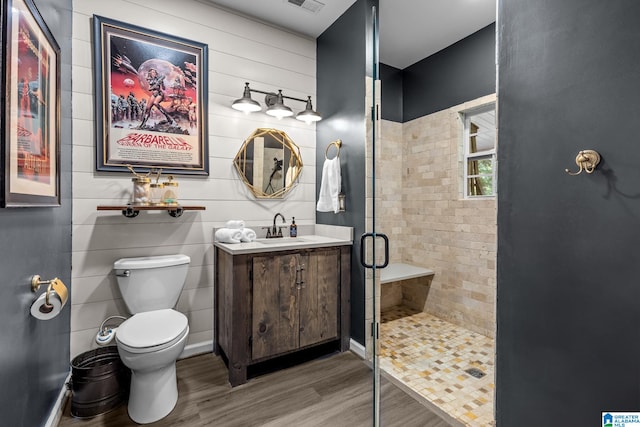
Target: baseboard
{"points": [[56, 412], [357, 349], [197, 348]]}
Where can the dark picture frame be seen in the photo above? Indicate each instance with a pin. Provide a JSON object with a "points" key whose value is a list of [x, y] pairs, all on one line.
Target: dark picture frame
{"points": [[30, 109], [151, 100]]}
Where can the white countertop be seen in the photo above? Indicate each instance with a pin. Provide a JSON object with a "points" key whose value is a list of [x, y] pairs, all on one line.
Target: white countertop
{"points": [[326, 236]]}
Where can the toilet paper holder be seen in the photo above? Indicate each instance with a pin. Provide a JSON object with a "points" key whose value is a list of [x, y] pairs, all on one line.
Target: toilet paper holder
{"points": [[36, 282]]}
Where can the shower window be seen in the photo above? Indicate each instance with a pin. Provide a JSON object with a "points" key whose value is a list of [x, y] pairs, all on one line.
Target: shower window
{"points": [[480, 152]]}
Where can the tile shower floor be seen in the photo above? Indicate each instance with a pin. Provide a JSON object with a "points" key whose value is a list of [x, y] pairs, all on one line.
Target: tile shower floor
{"points": [[430, 356]]}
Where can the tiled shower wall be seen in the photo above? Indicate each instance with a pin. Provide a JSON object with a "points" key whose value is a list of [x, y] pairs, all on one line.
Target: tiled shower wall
{"points": [[240, 50], [390, 172], [431, 224]]}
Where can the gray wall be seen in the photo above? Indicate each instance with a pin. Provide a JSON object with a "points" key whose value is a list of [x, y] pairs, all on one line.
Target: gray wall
{"points": [[391, 96], [34, 355], [342, 58], [463, 71], [568, 259]]}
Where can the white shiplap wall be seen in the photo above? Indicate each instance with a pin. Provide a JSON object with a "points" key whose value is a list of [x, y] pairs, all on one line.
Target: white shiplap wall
{"points": [[240, 50]]}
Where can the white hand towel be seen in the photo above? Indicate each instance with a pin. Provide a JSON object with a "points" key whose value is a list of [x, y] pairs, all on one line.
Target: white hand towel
{"points": [[330, 186], [248, 235], [228, 235], [235, 223]]}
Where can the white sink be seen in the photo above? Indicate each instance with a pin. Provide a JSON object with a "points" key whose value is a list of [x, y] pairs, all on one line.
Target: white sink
{"points": [[281, 240]]}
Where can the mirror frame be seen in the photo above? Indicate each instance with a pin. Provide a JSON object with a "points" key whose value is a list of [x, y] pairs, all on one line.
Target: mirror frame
{"points": [[242, 158]]}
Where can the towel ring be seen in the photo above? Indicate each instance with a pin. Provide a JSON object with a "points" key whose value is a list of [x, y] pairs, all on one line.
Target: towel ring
{"points": [[338, 144]]}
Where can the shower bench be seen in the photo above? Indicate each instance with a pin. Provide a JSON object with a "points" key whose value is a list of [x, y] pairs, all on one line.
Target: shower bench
{"points": [[398, 271], [404, 284]]}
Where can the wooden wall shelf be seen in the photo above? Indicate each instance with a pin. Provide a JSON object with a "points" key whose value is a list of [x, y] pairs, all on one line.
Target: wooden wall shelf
{"points": [[132, 211]]}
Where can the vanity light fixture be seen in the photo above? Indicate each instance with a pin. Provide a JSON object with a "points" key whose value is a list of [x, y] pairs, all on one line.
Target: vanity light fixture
{"points": [[279, 110], [246, 104], [275, 105]]}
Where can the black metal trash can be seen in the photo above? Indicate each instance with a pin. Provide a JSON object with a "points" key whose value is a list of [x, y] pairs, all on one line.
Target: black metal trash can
{"points": [[99, 382]]}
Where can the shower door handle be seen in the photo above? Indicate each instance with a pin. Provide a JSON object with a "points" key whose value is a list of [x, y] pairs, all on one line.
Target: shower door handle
{"points": [[386, 250]]}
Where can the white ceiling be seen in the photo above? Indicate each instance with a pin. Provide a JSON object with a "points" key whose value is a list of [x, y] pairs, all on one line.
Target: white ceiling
{"points": [[410, 30]]}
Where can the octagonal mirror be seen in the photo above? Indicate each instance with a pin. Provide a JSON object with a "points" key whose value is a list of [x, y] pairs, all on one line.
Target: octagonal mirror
{"points": [[269, 163]]}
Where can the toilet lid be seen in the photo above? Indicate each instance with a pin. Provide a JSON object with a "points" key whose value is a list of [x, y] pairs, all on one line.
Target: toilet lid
{"points": [[152, 329], [151, 262]]}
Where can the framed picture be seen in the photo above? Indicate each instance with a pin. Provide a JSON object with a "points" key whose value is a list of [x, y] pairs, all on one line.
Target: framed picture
{"points": [[30, 110], [151, 106]]}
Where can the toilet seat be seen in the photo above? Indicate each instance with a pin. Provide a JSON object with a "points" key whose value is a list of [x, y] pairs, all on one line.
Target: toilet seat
{"points": [[152, 331]]}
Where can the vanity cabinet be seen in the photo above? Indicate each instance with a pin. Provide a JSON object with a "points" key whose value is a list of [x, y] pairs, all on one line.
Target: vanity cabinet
{"points": [[273, 304]]}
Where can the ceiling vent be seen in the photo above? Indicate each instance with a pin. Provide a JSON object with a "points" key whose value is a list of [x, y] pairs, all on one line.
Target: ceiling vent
{"points": [[312, 6]]}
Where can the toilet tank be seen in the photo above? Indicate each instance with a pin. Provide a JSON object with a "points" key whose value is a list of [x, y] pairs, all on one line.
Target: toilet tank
{"points": [[151, 283]]}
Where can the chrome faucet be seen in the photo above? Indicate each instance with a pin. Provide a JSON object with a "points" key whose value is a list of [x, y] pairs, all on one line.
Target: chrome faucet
{"points": [[275, 230]]}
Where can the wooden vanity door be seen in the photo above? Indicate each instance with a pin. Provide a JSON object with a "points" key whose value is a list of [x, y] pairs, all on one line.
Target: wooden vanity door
{"points": [[276, 323], [319, 296]]}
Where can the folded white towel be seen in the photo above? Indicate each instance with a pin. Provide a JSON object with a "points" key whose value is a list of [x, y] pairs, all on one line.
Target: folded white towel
{"points": [[228, 235], [330, 186], [235, 223], [248, 235]]}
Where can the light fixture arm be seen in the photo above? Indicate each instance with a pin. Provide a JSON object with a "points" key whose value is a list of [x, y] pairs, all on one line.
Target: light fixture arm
{"points": [[295, 99], [273, 94]]}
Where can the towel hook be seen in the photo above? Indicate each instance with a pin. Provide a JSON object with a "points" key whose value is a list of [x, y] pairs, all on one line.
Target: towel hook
{"points": [[587, 160], [338, 144]]}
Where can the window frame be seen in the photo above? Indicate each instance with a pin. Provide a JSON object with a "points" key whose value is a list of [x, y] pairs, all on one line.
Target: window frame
{"points": [[467, 116]]}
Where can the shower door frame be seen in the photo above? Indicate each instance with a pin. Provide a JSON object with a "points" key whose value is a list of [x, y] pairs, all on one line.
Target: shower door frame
{"points": [[371, 251]]}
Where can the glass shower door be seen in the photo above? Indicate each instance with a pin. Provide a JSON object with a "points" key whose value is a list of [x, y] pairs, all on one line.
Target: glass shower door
{"points": [[374, 246]]}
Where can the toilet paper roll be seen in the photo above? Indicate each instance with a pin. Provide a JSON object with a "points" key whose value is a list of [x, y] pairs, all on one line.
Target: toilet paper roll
{"points": [[41, 311]]}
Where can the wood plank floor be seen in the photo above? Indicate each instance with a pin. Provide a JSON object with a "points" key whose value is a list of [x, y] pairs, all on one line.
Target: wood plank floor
{"points": [[330, 392]]}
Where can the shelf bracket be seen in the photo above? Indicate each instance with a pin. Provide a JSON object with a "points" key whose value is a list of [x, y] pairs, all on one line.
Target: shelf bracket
{"points": [[129, 212], [177, 212]]}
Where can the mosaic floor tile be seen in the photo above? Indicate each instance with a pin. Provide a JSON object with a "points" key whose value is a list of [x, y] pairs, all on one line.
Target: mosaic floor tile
{"points": [[431, 355]]}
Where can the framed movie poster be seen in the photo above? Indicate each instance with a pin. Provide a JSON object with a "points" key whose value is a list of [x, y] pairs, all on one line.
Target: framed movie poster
{"points": [[30, 114], [151, 107]]}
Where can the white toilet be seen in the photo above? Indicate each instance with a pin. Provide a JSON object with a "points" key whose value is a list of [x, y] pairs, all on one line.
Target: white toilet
{"points": [[151, 340]]}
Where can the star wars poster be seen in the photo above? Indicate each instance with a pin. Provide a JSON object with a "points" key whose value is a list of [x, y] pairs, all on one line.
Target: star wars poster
{"points": [[153, 107]]}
